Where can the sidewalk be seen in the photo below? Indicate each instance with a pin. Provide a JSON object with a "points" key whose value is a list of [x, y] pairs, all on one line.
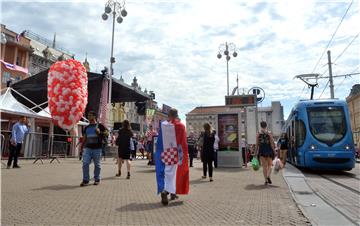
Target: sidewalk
{"points": [[49, 194]]}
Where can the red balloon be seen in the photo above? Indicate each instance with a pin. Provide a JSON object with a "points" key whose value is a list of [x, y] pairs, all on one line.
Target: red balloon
{"points": [[67, 92]]}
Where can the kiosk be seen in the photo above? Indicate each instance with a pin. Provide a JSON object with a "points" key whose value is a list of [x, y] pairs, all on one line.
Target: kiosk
{"points": [[229, 129]]}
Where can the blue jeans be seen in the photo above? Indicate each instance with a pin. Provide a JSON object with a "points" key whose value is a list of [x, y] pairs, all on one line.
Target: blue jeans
{"points": [[94, 154]]}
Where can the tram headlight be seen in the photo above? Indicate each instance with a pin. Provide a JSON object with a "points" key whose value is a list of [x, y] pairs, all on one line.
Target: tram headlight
{"points": [[312, 147], [347, 147]]}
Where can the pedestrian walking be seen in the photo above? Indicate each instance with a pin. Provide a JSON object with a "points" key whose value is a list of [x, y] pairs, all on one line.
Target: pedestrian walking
{"points": [[216, 148], [149, 144], [19, 130], [91, 147], [284, 144], [266, 150], [140, 147], [199, 145], [208, 151], [125, 146], [134, 146], [172, 169], [191, 141]]}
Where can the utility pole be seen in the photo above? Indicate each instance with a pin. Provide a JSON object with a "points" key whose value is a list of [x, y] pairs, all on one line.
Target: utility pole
{"points": [[237, 82], [330, 76]]}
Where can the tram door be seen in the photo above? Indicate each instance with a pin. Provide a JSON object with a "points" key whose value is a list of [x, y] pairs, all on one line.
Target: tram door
{"points": [[293, 141]]}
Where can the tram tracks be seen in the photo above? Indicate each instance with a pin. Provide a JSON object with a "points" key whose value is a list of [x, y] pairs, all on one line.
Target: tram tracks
{"points": [[341, 184], [342, 198]]}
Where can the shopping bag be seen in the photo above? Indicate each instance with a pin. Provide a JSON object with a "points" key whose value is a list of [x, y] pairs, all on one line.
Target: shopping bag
{"points": [[277, 165], [255, 164]]}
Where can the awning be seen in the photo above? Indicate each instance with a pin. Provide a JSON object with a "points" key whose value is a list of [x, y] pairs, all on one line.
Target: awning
{"points": [[35, 88], [9, 105]]}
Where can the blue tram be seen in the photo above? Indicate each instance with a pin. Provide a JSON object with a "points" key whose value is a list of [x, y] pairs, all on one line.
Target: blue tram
{"points": [[320, 135]]}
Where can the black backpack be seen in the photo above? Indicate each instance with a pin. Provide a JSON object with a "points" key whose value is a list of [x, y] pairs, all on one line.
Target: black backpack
{"points": [[264, 139]]}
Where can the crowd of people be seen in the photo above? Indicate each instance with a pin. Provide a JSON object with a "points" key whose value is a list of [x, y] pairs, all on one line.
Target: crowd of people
{"points": [[174, 155]]}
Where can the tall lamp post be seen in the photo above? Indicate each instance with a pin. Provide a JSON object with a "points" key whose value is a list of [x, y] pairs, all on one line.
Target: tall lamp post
{"points": [[226, 49], [118, 11]]}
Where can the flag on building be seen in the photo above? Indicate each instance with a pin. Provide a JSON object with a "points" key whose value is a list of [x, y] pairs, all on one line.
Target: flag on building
{"points": [[22, 34], [171, 156], [103, 107], [165, 108]]}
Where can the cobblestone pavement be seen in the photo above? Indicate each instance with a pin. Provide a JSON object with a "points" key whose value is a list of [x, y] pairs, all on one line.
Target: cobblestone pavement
{"points": [[49, 194]]}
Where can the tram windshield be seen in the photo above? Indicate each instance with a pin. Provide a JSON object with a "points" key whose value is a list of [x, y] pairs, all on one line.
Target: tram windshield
{"points": [[327, 124]]}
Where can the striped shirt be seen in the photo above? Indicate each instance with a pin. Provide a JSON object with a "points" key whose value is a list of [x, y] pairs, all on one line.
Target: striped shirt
{"points": [[150, 134], [191, 141]]}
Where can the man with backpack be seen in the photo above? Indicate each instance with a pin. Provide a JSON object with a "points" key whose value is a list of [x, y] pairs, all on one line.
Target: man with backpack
{"points": [[92, 146]]}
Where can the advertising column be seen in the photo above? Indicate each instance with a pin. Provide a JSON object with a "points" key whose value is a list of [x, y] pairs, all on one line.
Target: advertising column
{"points": [[228, 130]]}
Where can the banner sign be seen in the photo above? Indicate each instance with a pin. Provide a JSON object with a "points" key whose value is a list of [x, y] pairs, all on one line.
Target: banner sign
{"points": [[240, 100], [166, 108]]}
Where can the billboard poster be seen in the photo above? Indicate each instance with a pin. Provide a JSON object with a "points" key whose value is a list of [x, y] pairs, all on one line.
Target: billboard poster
{"points": [[228, 132]]}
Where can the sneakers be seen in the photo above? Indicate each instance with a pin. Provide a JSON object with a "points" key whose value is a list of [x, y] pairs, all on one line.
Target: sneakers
{"points": [[128, 175], [118, 174], [203, 177], [17, 166], [173, 196], [8, 167], [84, 184], [268, 180], [164, 198], [211, 180], [96, 182]]}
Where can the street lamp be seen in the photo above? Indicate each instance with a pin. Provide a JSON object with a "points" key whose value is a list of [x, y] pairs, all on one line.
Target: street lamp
{"points": [[226, 49], [118, 11]]}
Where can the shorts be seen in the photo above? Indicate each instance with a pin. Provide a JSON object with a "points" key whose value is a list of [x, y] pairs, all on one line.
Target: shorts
{"points": [[124, 155], [267, 154]]}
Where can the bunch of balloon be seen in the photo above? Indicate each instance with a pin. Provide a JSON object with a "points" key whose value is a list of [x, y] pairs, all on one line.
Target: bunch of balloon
{"points": [[67, 93]]}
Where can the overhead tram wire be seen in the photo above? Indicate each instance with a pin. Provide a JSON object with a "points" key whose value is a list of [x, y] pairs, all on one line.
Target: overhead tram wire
{"points": [[346, 47], [324, 89], [332, 37], [327, 46], [346, 77], [355, 37]]}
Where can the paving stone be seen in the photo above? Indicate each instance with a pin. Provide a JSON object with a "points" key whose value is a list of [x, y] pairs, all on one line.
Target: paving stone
{"points": [[50, 194]]}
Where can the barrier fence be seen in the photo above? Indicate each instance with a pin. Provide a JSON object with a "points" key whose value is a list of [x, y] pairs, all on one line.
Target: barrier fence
{"points": [[39, 146]]}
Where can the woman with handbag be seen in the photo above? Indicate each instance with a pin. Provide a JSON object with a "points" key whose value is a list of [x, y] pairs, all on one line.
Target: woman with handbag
{"points": [[266, 150], [125, 145]]}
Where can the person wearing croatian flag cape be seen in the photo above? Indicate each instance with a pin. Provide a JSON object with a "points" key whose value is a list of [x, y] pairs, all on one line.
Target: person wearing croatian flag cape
{"points": [[171, 157]]}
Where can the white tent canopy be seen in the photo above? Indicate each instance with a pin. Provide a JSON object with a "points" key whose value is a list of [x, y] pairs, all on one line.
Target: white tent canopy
{"points": [[8, 104]]}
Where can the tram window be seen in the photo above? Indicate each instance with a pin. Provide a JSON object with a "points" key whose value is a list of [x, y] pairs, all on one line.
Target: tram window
{"points": [[300, 133], [327, 124]]}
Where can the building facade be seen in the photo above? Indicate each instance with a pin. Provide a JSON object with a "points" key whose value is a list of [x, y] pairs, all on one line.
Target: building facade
{"points": [[15, 53], [273, 115], [45, 53], [353, 101]]}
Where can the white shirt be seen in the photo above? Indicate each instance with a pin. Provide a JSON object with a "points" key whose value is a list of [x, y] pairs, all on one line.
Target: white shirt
{"points": [[216, 142]]}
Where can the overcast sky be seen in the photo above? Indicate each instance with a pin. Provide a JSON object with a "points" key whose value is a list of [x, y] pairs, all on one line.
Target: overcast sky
{"points": [[171, 46]]}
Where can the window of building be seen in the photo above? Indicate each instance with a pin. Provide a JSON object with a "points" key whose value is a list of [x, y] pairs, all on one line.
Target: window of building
{"points": [[18, 60], [6, 77]]}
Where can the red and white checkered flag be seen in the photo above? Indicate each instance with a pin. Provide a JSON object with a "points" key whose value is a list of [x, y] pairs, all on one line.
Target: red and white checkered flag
{"points": [[170, 156]]}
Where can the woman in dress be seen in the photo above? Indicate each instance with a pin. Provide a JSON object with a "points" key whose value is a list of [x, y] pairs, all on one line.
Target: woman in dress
{"points": [[124, 142]]}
